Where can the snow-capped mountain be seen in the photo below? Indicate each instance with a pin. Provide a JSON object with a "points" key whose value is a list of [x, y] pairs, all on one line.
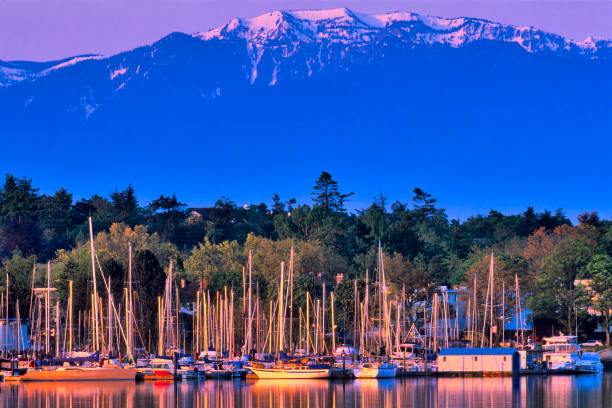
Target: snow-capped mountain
{"points": [[344, 26], [291, 93], [313, 39], [319, 73]]}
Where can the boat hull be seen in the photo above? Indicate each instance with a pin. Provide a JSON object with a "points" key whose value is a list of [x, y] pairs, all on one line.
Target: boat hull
{"points": [[218, 374], [371, 372], [278, 373], [85, 374]]}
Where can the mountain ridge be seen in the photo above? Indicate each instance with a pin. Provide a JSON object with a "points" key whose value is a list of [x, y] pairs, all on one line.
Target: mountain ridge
{"points": [[293, 30], [261, 26]]}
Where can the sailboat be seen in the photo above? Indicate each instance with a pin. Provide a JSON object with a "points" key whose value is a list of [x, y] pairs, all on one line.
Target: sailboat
{"points": [[297, 370], [80, 373], [90, 369], [377, 368]]}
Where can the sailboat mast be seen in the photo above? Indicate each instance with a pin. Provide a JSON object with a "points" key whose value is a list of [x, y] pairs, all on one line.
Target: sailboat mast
{"points": [[380, 297], [323, 320], [70, 316], [95, 287], [57, 328], [503, 322], [366, 311], [291, 300], [307, 323], [250, 315], [110, 318], [18, 328], [333, 322], [492, 301], [281, 326], [130, 300], [355, 306], [47, 324]]}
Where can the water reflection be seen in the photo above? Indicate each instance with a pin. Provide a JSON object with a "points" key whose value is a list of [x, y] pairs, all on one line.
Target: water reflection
{"points": [[532, 391]]}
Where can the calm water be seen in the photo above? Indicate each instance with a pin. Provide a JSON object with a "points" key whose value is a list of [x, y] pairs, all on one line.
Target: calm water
{"points": [[554, 392]]}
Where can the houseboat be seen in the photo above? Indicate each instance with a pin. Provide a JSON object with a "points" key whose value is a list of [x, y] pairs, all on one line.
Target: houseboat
{"points": [[478, 361], [561, 353]]}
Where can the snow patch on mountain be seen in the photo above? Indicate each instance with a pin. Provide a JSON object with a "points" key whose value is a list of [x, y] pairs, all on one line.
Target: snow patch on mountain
{"points": [[71, 62], [9, 75], [117, 72]]}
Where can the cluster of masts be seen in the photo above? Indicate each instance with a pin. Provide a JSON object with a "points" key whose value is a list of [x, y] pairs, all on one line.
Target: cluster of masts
{"points": [[91, 333], [274, 328]]}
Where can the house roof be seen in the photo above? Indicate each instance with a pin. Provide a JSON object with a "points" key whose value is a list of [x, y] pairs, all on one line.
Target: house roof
{"points": [[494, 351], [521, 324]]}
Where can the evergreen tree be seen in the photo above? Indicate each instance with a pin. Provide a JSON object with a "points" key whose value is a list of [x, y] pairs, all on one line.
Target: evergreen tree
{"points": [[165, 216], [278, 207], [326, 194], [18, 217], [424, 204], [57, 219], [125, 206], [18, 200]]}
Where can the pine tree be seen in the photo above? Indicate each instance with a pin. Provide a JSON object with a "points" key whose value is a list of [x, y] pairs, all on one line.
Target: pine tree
{"points": [[423, 202], [278, 207], [125, 206], [327, 195], [18, 200]]}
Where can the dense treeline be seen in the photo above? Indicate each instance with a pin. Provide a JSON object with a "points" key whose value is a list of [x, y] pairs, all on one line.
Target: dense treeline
{"points": [[210, 246]]}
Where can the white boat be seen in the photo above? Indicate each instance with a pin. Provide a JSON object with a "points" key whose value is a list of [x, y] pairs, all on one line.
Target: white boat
{"points": [[186, 373], [375, 370], [406, 351], [409, 358], [292, 371], [158, 369], [561, 353], [589, 363]]}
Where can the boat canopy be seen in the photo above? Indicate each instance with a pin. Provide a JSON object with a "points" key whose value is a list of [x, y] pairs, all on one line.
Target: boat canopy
{"points": [[92, 358]]}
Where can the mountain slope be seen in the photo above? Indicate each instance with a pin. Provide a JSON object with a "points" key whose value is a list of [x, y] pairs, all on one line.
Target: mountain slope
{"points": [[462, 99]]}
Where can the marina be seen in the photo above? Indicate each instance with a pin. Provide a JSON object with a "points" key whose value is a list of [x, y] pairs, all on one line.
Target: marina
{"points": [[203, 340]]}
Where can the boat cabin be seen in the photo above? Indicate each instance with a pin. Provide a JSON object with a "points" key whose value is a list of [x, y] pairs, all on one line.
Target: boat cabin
{"points": [[561, 352]]}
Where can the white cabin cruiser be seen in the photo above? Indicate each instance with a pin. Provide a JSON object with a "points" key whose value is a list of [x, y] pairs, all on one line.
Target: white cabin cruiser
{"points": [[561, 353]]}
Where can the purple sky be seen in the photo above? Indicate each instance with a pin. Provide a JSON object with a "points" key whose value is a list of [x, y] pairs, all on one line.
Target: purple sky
{"points": [[50, 29]]}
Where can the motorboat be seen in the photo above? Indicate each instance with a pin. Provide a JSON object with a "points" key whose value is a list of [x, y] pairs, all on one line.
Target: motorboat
{"points": [[589, 363], [375, 370], [158, 369]]}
